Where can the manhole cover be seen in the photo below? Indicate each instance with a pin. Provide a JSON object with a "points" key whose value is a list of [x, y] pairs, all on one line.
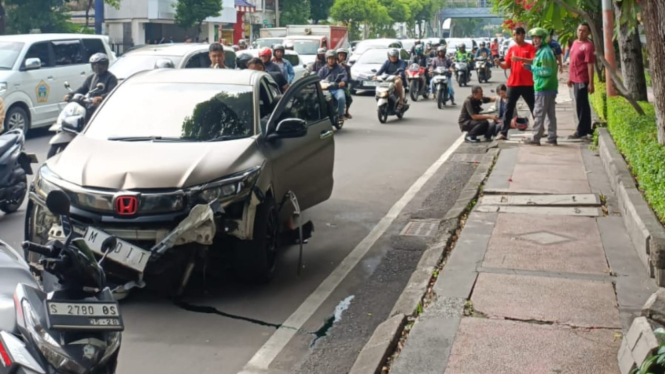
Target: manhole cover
{"points": [[544, 238], [421, 227]]}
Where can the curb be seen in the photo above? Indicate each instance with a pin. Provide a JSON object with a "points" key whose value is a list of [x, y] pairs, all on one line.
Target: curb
{"points": [[376, 351], [645, 230]]}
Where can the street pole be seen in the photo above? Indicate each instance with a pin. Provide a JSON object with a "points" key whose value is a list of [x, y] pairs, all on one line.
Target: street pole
{"points": [[99, 16], [276, 13], [608, 33]]}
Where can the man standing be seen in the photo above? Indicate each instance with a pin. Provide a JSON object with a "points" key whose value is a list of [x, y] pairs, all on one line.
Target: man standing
{"points": [[494, 49], [217, 56], [580, 77], [471, 120], [520, 82], [546, 84], [335, 74], [284, 65]]}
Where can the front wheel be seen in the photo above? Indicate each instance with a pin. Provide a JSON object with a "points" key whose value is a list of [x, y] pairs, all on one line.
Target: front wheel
{"points": [[441, 99], [255, 259], [413, 90], [382, 113]]}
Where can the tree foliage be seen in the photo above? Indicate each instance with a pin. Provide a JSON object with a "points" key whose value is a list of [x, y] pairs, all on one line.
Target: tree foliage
{"points": [[24, 16], [190, 13], [294, 12], [320, 9]]}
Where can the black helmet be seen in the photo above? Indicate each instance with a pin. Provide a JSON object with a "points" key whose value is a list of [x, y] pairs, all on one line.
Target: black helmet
{"points": [[242, 60], [278, 47]]}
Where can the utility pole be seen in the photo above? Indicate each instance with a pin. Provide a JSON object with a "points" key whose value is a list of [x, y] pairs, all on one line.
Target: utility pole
{"points": [[276, 13], [608, 33], [99, 16]]}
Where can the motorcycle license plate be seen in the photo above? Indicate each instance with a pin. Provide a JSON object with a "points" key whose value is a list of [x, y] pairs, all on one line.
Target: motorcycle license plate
{"points": [[124, 253], [370, 83], [84, 315]]}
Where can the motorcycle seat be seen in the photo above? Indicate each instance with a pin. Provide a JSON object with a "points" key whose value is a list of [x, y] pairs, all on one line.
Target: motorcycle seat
{"points": [[13, 270], [7, 141]]}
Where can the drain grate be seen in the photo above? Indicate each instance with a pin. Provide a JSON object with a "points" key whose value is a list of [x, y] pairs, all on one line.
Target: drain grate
{"points": [[421, 227]]}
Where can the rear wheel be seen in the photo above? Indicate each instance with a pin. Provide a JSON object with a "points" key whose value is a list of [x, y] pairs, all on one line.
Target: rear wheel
{"points": [[413, 90], [382, 113], [255, 259], [11, 206], [17, 119]]}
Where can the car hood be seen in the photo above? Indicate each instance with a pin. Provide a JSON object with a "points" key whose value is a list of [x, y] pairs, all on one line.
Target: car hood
{"points": [[307, 59], [365, 69], [117, 165]]}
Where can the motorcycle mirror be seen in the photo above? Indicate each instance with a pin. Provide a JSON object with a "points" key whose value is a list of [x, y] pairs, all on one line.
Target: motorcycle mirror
{"points": [[67, 86], [100, 86], [109, 244], [58, 203]]}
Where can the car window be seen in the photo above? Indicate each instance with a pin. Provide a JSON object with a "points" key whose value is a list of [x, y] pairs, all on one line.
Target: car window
{"points": [[197, 61], [9, 52], [266, 103], [92, 46], [68, 52], [42, 52], [293, 59], [229, 59], [304, 104]]}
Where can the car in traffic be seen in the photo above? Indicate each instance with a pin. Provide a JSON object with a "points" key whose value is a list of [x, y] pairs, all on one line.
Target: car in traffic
{"points": [[408, 43], [365, 68], [505, 46], [33, 70], [364, 45], [180, 56], [299, 67], [138, 171], [266, 42]]}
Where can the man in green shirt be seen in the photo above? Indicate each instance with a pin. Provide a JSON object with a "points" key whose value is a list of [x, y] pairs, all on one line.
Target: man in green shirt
{"points": [[546, 85]]}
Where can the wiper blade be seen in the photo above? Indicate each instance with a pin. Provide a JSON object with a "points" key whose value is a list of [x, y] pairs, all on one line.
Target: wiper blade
{"points": [[227, 137], [148, 138]]}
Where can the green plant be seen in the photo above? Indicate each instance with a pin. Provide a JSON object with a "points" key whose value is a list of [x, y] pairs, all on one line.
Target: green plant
{"points": [[656, 363], [599, 99], [647, 75]]}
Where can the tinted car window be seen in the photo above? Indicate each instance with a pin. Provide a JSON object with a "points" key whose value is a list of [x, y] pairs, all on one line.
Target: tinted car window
{"points": [[92, 46], [198, 61], [305, 104], [9, 52], [197, 112], [42, 52], [68, 52]]}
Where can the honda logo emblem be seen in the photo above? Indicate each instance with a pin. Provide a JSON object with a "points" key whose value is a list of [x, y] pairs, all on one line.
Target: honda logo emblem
{"points": [[126, 205]]}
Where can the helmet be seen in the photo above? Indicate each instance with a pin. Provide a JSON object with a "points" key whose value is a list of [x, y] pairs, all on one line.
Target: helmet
{"points": [[482, 44], [321, 51], [343, 50], [441, 49], [419, 50], [278, 47], [461, 45], [242, 60], [393, 53], [99, 58], [265, 52], [331, 53], [236, 48], [289, 45], [539, 31], [242, 43], [164, 63]]}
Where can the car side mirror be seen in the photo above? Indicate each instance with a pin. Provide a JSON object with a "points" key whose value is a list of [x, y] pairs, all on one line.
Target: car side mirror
{"points": [[67, 85], [72, 124], [289, 128], [33, 64], [58, 203]]}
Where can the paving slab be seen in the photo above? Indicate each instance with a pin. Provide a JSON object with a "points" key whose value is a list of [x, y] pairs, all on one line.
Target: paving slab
{"points": [[485, 346], [542, 200], [542, 210], [546, 243], [571, 302], [565, 154], [556, 179]]}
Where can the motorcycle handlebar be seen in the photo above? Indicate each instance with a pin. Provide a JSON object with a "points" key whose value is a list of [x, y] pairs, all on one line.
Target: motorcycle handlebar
{"points": [[37, 248]]}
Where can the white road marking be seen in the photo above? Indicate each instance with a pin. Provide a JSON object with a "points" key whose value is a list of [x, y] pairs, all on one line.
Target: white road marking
{"points": [[267, 353]]}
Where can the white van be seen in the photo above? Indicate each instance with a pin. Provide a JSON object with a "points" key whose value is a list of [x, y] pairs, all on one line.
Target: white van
{"points": [[34, 69]]}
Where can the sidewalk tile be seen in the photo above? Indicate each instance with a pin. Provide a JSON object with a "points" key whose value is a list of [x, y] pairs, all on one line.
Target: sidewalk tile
{"points": [[562, 155], [484, 346], [546, 243], [559, 179], [578, 303]]}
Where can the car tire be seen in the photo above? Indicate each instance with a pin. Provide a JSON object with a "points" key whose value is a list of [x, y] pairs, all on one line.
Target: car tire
{"points": [[17, 117], [255, 260]]}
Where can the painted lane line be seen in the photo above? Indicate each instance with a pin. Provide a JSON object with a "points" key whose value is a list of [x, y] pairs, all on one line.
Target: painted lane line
{"points": [[267, 353]]}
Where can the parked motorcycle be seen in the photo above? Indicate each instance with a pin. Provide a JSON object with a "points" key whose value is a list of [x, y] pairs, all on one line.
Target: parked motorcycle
{"points": [[440, 83], [462, 72], [387, 98], [484, 69], [417, 81], [77, 113], [14, 169], [71, 324]]}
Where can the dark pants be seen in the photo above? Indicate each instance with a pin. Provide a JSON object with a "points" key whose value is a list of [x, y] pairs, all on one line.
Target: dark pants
{"points": [[476, 128], [581, 92], [514, 94]]}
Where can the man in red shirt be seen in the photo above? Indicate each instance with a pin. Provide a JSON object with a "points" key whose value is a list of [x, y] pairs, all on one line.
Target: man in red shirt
{"points": [[494, 49], [580, 77], [520, 82]]}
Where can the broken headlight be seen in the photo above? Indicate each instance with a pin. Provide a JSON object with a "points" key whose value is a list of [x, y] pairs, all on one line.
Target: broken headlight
{"points": [[229, 187]]}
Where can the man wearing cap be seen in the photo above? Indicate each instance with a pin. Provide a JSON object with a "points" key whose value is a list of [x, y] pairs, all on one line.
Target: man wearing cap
{"points": [[336, 75]]}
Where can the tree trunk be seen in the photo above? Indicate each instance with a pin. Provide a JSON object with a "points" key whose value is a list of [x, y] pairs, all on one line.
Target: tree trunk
{"points": [[3, 19], [653, 14], [630, 55], [597, 18], [87, 13]]}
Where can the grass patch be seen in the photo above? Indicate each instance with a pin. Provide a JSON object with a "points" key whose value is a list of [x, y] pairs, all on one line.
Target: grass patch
{"points": [[647, 75]]}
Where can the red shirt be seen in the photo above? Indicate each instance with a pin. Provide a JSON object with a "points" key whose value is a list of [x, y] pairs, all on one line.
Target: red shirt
{"points": [[494, 47], [581, 54], [519, 76]]}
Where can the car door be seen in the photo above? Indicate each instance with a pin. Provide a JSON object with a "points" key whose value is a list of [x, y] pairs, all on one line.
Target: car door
{"points": [[303, 165], [38, 84], [71, 66]]}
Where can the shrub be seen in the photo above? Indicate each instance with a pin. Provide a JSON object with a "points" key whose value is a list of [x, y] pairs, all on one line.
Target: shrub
{"points": [[599, 99]]}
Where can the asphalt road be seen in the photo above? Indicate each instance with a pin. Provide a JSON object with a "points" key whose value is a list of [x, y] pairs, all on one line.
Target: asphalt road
{"points": [[223, 325]]}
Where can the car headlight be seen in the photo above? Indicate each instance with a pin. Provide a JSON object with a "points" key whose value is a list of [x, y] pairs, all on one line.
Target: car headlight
{"points": [[42, 183], [227, 188], [48, 346]]}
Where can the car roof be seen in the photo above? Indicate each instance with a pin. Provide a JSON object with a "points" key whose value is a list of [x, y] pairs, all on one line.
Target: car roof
{"points": [[296, 37], [176, 49], [384, 40], [255, 52], [197, 76], [29, 38]]}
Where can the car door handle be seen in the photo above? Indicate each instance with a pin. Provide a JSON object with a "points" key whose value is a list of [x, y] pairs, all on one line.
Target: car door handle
{"points": [[83, 73], [50, 78], [326, 134]]}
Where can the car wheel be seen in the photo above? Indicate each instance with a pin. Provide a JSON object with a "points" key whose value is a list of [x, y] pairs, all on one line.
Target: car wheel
{"points": [[254, 260], [17, 118]]}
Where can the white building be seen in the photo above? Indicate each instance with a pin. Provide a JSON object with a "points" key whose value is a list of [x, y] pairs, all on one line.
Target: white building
{"points": [[137, 22]]}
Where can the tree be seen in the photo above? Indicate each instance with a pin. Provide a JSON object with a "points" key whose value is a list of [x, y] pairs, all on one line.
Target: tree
{"points": [[354, 13], [190, 13], [294, 12], [654, 27], [630, 50], [45, 15], [398, 10], [320, 9]]}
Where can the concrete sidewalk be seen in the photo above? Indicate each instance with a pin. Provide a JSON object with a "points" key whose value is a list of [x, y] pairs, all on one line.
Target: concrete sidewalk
{"points": [[543, 278]]}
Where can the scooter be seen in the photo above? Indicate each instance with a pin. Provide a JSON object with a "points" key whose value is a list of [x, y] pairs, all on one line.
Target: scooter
{"points": [[337, 121], [484, 70], [417, 81], [440, 83], [462, 72], [387, 98], [14, 169], [78, 108], [71, 324]]}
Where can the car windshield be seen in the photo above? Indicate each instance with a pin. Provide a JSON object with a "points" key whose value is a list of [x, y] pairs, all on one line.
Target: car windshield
{"points": [[130, 64], [260, 43], [9, 51], [374, 56], [305, 47], [293, 59], [196, 113], [362, 47], [408, 44]]}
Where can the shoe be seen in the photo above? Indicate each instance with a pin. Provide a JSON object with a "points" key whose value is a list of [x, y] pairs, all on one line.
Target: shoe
{"points": [[489, 140], [574, 136], [531, 142], [348, 116], [471, 139], [552, 142], [501, 137], [452, 103]]}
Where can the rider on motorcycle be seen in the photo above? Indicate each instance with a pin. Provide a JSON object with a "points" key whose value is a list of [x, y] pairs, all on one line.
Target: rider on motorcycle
{"points": [[442, 61], [320, 60], [284, 64], [342, 55], [483, 51], [101, 74], [463, 55], [336, 75], [391, 67], [242, 44], [421, 60]]}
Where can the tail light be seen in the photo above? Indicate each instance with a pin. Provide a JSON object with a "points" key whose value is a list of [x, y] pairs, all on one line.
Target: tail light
{"points": [[5, 360]]}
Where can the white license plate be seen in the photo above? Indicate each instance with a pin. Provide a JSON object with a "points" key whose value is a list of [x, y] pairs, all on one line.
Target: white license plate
{"points": [[83, 309], [124, 253], [370, 83]]}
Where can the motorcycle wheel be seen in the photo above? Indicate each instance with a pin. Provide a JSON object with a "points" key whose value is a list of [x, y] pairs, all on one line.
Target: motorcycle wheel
{"points": [[426, 93], [55, 149], [413, 90], [338, 125], [11, 206], [440, 99], [460, 81], [382, 113]]}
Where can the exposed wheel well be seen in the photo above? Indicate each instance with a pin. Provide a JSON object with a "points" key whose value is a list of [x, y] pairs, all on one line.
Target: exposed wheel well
{"points": [[21, 105]]}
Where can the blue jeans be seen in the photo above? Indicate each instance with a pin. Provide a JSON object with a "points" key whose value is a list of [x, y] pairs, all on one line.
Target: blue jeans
{"points": [[451, 92], [339, 94]]}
